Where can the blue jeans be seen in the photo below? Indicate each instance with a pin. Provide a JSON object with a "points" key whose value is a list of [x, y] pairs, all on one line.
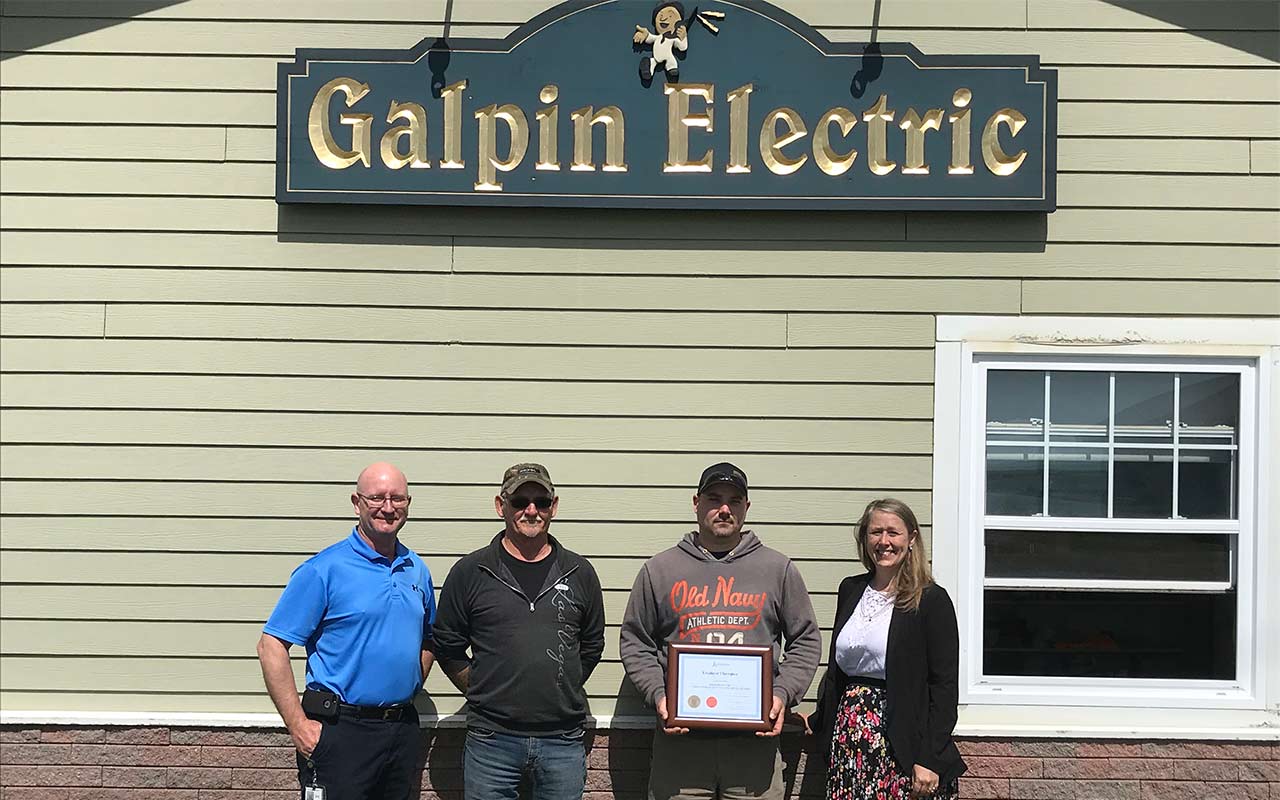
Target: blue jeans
{"points": [[493, 764]]}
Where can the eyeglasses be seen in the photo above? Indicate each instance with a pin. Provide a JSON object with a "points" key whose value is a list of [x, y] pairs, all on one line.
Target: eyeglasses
{"points": [[542, 501], [378, 500]]}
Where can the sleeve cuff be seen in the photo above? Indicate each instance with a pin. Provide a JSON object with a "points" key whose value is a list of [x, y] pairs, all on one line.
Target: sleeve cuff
{"points": [[285, 636]]}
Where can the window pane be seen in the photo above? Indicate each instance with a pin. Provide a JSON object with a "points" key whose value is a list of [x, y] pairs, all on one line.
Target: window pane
{"points": [[1144, 407], [1120, 556], [1015, 480], [1078, 406], [1210, 408], [1143, 484], [1109, 634], [1015, 405], [1077, 482], [1206, 484]]}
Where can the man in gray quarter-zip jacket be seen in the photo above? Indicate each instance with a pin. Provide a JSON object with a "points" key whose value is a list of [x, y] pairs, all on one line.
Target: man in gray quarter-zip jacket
{"points": [[719, 585], [532, 614]]}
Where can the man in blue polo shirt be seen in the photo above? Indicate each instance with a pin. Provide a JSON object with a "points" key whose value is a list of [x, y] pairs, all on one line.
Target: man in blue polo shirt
{"points": [[363, 610]]}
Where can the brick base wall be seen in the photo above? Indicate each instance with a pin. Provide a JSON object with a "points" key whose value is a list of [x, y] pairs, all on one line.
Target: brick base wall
{"points": [[88, 763]]}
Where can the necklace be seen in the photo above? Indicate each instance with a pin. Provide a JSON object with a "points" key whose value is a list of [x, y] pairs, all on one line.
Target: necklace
{"points": [[873, 604]]}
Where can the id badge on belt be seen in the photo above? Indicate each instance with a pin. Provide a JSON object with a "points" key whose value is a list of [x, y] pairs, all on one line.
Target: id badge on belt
{"points": [[314, 792]]}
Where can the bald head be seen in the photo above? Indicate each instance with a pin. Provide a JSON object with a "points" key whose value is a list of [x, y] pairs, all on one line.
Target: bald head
{"points": [[381, 501], [381, 472]]}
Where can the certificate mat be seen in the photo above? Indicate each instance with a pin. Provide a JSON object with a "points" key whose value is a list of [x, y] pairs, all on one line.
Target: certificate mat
{"points": [[720, 686]]}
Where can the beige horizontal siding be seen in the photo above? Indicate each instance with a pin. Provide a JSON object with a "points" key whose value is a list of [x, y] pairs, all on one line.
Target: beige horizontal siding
{"points": [[1134, 297], [204, 603], [570, 293], [259, 569], [193, 375], [1264, 157], [668, 506], [258, 180], [425, 467], [260, 215], [550, 434], [51, 319], [1052, 14], [831, 539], [418, 396], [983, 257], [258, 74]]}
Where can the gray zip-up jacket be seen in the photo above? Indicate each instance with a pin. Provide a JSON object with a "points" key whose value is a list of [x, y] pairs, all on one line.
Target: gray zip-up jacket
{"points": [[753, 596]]}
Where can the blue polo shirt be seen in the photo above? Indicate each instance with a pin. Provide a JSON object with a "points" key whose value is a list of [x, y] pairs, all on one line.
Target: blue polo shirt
{"points": [[363, 618]]}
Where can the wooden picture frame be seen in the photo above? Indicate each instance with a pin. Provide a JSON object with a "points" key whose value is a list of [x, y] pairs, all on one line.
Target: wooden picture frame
{"points": [[719, 686]]}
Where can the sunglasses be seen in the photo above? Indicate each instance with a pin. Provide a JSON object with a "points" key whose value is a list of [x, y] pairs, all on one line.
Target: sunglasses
{"points": [[542, 501]]}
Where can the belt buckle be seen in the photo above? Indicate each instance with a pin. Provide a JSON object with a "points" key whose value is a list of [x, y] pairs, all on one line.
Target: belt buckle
{"points": [[390, 714]]}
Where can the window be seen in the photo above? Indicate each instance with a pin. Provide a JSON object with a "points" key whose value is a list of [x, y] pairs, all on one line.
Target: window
{"points": [[1105, 502], [1110, 528]]}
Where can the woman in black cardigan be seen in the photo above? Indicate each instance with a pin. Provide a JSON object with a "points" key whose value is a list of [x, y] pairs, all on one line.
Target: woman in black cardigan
{"points": [[887, 705]]}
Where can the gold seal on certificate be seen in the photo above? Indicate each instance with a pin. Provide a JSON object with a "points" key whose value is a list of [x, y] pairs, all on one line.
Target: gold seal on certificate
{"points": [[719, 686]]}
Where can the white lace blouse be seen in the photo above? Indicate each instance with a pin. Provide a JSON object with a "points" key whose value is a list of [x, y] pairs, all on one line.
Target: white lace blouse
{"points": [[862, 642]]}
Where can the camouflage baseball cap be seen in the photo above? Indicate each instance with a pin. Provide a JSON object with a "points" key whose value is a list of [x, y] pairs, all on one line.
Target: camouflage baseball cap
{"points": [[520, 474]]}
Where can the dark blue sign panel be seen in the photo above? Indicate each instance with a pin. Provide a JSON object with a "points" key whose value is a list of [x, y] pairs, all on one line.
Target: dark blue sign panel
{"points": [[624, 103]]}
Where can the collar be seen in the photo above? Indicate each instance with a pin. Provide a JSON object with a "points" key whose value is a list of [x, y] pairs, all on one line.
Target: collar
{"points": [[362, 548]]}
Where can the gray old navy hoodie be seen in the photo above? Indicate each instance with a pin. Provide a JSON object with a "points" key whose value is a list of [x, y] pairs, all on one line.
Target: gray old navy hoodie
{"points": [[752, 596]]}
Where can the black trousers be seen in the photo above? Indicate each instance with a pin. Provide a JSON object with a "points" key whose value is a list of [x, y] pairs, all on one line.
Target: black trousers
{"points": [[363, 759]]}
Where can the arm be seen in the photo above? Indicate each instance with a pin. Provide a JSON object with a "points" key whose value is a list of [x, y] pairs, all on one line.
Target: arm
{"points": [[942, 653], [591, 632], [638, 645], [277, 673], [802, 637], [451, 633]]}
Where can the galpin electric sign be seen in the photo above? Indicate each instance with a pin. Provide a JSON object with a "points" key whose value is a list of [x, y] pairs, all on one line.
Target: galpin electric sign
{"points": [[631, 104]]}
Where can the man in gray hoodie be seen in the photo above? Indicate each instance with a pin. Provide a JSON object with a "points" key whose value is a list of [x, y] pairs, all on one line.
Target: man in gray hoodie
{"points": [[720, 584]]}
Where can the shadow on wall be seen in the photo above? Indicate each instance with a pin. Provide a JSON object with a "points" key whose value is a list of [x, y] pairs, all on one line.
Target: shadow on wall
{"points": [[1245, 25], [601, 231], [63, 19]]}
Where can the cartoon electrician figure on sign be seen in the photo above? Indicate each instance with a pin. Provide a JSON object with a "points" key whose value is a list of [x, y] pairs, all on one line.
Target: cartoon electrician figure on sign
{"points": [[672, 34]]}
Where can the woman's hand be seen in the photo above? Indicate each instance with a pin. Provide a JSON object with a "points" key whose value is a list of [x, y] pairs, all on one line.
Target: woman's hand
{"points": [[924, 781]]}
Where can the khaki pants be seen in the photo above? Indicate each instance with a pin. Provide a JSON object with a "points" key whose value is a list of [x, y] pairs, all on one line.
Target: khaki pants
{"points": [[728, 766]]}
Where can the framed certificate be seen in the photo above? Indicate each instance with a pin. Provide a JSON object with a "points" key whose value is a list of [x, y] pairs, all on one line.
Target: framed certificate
{"points": [[719, 686]]}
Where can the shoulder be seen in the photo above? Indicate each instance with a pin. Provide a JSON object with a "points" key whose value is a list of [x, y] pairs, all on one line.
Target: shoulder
{"points": [[335, 556], [935, 601], [853, 583], [572, 558]]}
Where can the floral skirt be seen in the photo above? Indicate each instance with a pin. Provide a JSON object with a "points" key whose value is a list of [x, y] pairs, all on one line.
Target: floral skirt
{"points": [[862, 766]]}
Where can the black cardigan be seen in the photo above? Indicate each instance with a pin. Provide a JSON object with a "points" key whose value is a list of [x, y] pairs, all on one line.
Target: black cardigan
{"points": [[921, 671]]}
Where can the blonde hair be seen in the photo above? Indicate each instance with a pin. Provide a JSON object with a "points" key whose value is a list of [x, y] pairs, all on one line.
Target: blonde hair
{"points": [[913, 574]]}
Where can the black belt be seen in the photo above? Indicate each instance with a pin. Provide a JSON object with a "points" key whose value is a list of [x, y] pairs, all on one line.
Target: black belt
{"points": [[320, 704], [385, 713]]}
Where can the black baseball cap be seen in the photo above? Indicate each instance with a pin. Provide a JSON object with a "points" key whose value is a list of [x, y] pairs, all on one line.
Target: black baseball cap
{"points": [[724, 472]]}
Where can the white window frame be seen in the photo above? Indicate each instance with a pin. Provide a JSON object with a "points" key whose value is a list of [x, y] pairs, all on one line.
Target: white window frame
{"points": [[963, 343]]}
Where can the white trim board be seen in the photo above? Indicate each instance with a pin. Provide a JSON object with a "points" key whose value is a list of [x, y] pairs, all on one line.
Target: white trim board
{"points": [[977, 722], [1104, 331]]}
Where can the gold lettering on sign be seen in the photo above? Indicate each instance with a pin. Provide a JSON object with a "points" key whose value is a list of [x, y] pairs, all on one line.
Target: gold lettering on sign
{"points": [[614, 139], [916, 128], [960, 123], [998, 161], [326, 148], [680, 120], [877, 136], [415, 132], [487, 178], [548, 130], [739, 107], [771, 143], [828, 159], [452, 95]]}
